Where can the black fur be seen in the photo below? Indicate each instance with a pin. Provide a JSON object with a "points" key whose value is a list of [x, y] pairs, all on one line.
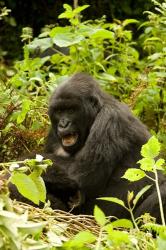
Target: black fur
{"points": [[110, 140]]}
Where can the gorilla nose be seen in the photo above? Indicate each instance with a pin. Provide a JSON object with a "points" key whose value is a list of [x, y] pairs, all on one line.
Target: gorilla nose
{"points": [[63, 124]]}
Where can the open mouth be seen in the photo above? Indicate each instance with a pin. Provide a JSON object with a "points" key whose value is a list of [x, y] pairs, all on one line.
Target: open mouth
{"points": [[69, 140]]}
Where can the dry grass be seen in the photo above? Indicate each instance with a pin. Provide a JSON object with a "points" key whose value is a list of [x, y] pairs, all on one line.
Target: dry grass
{"points": [[74, 223]]}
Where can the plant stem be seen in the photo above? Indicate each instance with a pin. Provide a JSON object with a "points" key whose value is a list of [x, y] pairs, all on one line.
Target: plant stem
{"points": [[75, 4], [98, 244], [132, 215], [159, 197]]}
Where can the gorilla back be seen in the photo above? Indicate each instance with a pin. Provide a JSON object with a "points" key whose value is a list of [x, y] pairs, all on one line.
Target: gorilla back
{"points": [[94, 138]]}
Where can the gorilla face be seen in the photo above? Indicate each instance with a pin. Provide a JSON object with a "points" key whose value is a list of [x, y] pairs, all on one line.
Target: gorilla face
{"points": [[66, 119], [72, 117]]}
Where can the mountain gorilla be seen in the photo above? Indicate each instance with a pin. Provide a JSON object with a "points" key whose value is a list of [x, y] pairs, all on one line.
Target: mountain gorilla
{"points": [[93, 140]]}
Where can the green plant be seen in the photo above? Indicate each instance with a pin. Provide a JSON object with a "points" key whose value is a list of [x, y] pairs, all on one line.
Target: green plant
{"points": [[27, 177], [150, 103], [105, 50], [148, 164]]}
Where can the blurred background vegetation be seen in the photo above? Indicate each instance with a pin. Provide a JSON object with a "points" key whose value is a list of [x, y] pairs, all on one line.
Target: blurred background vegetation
{"points": [[122, 44]]}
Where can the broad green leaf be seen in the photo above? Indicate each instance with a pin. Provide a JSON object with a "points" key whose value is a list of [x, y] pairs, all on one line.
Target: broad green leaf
{"points": [[64, 37], [31, 227], [59, 30], [140, 193], [103, 34], [99, 216], [147, 164], [42, 43], [40, 185], [124, 223], [80, 240], [151, 149], [134, 174], [129, 21], [67, 15], [67, 7], [80, 9], [113, 199], [119, 237], [159, 164], [25, 186]]}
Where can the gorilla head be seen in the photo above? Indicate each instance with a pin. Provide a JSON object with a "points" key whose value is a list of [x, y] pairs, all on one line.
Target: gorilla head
{"points": [[73, 108]]}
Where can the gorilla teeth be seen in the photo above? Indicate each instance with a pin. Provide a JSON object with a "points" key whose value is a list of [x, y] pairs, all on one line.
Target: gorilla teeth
{"points": [[69, 140]]}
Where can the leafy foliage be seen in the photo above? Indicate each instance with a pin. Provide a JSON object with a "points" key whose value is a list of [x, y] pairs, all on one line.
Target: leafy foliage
{"points": [[132, 70], [105, 50]]}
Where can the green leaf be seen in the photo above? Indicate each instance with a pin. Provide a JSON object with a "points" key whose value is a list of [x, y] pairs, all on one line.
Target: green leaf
{"points": [[80, 9], [147, 164], [43, 43], [25, 186], [129, 21], [113, 199], [108, 77], [85, 237], [80, 240], [124, 223], [161, 243], [140, 193], [103, 34], [133, 174], [67, 7], [31, 227], [99, 216], [25, 108], [64, 37], [159, 164], [40, 185], [119, 237], [151, 149], [67, 15]]}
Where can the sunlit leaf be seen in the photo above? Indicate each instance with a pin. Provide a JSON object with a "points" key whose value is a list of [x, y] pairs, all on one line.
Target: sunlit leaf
{"points": [[103, 34], [124, 223], [40, 185], [140, 193], [129, 21], [147, 164], [134, 174], [151, 149], [99, 216], [113, 199], [64, 37], [159, 164], [25, 186]]}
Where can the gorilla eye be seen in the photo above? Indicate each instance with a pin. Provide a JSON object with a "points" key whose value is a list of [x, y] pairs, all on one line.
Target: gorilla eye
{"points": [[58, 111], [70, 111]]}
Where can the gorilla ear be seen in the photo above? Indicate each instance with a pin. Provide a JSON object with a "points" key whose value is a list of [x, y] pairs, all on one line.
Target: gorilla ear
{"points": [[94, 101]]}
